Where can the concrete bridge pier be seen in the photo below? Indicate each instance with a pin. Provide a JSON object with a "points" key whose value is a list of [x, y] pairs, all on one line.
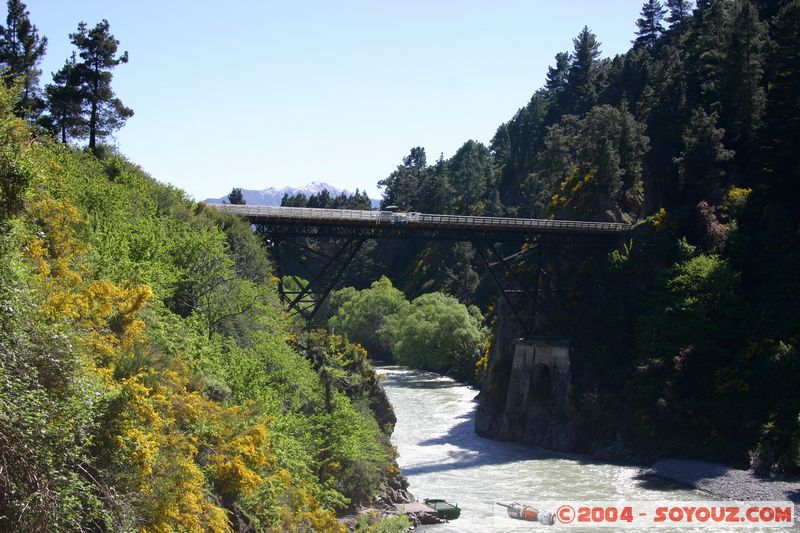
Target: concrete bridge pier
{"points": [[540, 376], [537, 398]]}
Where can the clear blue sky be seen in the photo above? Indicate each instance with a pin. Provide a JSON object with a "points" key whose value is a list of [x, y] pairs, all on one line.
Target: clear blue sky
{"points": [[255, 94]]}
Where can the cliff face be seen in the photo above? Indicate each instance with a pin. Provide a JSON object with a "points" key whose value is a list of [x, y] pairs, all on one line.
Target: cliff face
{"points": [[529, 396], [394, 488]]}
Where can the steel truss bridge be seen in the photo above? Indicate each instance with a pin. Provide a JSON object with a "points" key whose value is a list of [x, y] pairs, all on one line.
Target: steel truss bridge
{"points": [[525, 278]]}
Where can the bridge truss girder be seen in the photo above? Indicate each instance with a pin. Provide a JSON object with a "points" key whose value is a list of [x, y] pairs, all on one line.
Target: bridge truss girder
{"points": [[306, 297], [530, 282]]}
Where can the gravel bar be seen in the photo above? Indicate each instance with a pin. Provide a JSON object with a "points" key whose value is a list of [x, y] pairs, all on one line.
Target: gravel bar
{"points": [[724, 482]]}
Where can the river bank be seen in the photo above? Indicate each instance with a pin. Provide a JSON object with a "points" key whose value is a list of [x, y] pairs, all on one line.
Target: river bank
{"points": [[723, 482]]}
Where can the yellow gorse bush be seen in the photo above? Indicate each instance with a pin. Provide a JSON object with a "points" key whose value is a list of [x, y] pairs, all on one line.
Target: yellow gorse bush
{"points": [[151, 437]]}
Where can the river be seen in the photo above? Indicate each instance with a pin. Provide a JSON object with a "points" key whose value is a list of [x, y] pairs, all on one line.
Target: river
{"points": [[442, 457]]}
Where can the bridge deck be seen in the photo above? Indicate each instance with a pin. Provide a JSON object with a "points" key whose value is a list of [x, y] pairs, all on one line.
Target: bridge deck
{"points": [[259, 214]]}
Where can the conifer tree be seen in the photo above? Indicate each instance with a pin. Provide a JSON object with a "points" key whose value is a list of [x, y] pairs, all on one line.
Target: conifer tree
{"points": [[708, 51], [470, 176], [582, 76], [65, 103], [402, 185], [782, 118], [98, 49], [703, 151], [436, 192], [557, 75], [235, 197], [650, 27], [359, 200], [21, 50], [679, 12], [742, 90], [556, 84]]}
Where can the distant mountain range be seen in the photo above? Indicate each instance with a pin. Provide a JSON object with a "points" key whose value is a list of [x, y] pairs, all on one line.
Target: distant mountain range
{"points": [[273, 196]]}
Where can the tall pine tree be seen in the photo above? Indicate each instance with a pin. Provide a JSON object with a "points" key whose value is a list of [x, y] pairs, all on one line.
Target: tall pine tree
{"points": [[65, 103], [582, 77], [707, 52], [742, 89], [236, 197], [650, 27], [98, 49], [782, 118], [679, 12], [21, 50], [703, 152], [402, 185]]}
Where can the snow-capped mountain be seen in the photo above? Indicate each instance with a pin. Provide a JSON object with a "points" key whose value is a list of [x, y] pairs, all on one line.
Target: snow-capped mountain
{"points": [[273, 196]]}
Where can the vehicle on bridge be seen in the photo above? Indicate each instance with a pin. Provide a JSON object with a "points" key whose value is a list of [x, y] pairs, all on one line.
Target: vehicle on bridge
{"points": [[397, 218]]}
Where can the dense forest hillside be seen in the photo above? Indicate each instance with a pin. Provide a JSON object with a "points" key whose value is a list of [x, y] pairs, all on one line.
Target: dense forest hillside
{"points": [[148, 379], [694, 133]]}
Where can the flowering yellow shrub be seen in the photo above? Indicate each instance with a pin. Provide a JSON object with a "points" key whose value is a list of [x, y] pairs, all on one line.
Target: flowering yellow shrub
{"points": [[170, 458], [574, 194], [735, 194], [661, 221], [235, 463], [735, 198], [177, 498]]}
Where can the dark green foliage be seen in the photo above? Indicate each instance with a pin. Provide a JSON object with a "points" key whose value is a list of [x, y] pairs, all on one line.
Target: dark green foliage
{"points": [[470, 171], [608, 145], [65, 103], [525, 138], [557, 75], [700, 300], [21, 50], [324, 200], [781, 141], [699, 161], [235, 197], [688, 374], [650, 27], [556, 85], [97, 49], [664, 107], [402, 186], [582, 78], [436, 192], [679, 12], [706, 53], [742, 85]]}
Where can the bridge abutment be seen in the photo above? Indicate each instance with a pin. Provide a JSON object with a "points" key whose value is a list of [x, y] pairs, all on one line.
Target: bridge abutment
{"points": [[537, 396], [540, 376]]}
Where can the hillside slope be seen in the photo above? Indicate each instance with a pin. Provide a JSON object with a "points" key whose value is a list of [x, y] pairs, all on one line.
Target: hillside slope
{"points": [[148, 379]]}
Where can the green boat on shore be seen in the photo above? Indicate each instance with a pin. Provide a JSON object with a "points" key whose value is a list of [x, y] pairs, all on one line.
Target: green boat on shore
{"points": [[444, 510]]}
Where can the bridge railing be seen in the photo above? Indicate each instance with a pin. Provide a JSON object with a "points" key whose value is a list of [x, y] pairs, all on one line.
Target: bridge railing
{"points": [[522, 223], [350, 216]]}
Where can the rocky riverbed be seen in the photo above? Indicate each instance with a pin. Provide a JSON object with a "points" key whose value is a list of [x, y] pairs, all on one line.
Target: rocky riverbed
{"points": [[723, 482]]}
